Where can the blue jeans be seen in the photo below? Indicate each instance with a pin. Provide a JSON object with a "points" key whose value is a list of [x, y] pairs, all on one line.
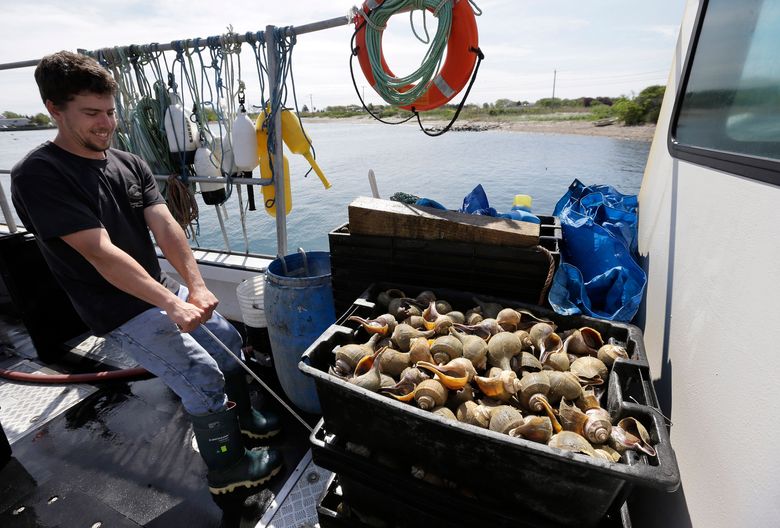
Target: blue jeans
{"points": [[191, 365]]}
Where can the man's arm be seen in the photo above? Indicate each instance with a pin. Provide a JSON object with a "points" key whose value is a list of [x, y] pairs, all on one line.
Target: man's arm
{"points": [[171, 240], [123, 272]]}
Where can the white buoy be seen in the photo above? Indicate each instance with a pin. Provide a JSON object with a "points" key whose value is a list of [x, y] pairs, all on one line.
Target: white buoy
{"points": [[181, 132], [244, 142], [206, 167]]}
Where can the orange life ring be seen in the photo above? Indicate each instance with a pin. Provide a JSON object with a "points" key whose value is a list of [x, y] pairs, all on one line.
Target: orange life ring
{"points": [[455, 73]]}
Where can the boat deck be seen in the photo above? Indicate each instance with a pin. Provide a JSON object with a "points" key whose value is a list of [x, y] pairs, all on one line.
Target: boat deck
{"points": [[120, 454]]}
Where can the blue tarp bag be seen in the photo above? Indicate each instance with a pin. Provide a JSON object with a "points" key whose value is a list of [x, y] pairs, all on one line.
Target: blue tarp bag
{"points": [[598, 275], [476, 202]]}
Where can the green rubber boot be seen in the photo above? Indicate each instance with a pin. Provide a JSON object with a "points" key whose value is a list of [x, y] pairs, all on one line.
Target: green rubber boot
{"points": [[255, 425], [230, 464]]}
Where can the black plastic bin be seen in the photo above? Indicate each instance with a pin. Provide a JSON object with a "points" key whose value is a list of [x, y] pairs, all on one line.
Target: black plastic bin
{"points": [[519, 273], [340, 507], [363, 478], [553, 488]]}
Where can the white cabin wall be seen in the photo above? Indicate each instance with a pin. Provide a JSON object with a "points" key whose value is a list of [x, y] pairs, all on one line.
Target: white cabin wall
{"points": [[712, 314], [223, 273]]}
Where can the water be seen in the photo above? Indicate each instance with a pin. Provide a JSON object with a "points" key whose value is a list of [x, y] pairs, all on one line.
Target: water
{"points": [[403, 159]]}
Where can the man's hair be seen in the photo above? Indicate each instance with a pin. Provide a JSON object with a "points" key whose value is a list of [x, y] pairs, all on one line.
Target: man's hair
{"points": [[63, 75]]}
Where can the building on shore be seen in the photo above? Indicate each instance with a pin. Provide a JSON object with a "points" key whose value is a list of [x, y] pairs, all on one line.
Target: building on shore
{"points": [[15, 122]]}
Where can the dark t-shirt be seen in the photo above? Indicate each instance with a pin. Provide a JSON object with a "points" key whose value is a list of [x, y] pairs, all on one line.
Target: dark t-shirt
{"points": [[57, 193]]}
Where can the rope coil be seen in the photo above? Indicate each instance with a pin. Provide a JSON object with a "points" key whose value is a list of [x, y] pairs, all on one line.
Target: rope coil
{"points": [[397, 90]]}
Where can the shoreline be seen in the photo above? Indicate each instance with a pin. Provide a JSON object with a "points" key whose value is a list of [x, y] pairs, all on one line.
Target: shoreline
{"points": [[580, 128]]}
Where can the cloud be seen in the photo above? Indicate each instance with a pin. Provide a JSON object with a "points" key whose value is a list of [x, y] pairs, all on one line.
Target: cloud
{"points": [[523, 41], [668, 31]]}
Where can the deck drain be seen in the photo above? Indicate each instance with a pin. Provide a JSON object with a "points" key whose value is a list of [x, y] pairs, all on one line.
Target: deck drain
{"points": [[313, 477]]}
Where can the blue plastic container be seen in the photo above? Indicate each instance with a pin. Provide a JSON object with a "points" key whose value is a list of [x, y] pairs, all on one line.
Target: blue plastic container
{"points": [[298, 301], [521, 210]]}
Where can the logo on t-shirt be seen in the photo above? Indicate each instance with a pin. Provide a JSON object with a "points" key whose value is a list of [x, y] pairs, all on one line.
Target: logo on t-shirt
{"points": [[135, 196]]}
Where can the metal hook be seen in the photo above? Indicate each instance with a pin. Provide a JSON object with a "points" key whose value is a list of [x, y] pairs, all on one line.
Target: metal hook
{"points": [[284, 264], [305, 261]]}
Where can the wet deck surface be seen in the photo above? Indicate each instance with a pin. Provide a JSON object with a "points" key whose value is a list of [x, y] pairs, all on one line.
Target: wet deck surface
{"points": [[123, 457]]}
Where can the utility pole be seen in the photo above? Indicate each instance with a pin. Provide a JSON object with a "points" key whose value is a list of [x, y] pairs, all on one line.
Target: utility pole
{"points": [[311, 103], [555, 74]]}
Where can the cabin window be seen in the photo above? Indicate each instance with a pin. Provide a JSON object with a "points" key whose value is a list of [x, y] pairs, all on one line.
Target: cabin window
{"points": [[728, 109]]}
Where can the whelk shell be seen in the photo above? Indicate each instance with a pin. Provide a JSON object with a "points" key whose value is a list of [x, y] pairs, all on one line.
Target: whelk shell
{"points": [[429, 394], [595, 426], [444, 412], [504, 418], [589, 370], [629, 433], [454, 375], [563, 385], [508, 319], [609, 353], [474, 413], [446, 348], [569, 441], [394, 362], [384, 324], [584, 342], [501, 387], [534, 428], [367, 372], [474, 348], [489, 309], [502, 347]]}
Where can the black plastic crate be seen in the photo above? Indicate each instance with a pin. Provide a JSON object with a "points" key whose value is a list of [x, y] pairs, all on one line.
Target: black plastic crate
{"points": [[340, 507], [517, 272], [331, 506], [366, 476], [553, 488]]}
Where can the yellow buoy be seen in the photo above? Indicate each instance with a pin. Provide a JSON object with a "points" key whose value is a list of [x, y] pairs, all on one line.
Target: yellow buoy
{"points": [[269, 191], [298, 142]]}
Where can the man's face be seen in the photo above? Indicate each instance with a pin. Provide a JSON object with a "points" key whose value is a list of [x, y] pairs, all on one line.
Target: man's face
{"points": [[86, 124]]}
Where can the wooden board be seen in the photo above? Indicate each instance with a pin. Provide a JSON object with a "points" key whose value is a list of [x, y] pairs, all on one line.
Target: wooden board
{"points": [[372, 216]]}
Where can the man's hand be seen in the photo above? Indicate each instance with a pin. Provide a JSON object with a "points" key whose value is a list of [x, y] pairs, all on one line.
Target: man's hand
{"points": [[205, 300], [187, 316]]}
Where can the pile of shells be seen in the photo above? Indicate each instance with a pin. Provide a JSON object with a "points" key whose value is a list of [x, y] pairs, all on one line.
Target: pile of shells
{"points": [[494, 367]]}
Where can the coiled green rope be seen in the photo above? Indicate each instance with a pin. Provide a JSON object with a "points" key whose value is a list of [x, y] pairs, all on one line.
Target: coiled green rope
{"points": [[388, 86]]}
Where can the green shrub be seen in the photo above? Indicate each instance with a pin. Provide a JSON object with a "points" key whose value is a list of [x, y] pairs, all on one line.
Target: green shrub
{"points": [[649, 100], [601, 111], [628, 111]]}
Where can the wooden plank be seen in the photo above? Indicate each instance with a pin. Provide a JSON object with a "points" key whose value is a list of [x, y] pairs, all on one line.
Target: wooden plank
{"points": [[372, 216]]}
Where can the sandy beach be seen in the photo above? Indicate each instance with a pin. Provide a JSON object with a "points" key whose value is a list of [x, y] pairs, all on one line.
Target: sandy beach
{"points": [[583, 128]]}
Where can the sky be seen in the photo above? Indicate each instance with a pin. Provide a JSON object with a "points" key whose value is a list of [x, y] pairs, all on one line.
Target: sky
{"points": [[589, 48]]}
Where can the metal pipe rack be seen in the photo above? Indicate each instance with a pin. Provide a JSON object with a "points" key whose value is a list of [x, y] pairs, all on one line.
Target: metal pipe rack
{"points": [[278, 168]]}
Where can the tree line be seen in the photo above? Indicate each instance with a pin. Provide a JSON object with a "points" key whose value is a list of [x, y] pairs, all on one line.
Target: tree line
{"points": [[39, 119], [631, 110]]}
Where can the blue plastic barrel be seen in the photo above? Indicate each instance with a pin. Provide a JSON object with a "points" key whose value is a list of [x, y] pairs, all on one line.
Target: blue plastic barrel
{"points": [[298, 300]]}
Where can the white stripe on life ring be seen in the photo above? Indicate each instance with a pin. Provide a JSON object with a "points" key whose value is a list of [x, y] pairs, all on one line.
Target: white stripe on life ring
{"points": [[443, 87]]}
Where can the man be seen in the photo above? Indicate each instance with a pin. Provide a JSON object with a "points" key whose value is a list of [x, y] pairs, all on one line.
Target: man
{"points": [[91, 208]]}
